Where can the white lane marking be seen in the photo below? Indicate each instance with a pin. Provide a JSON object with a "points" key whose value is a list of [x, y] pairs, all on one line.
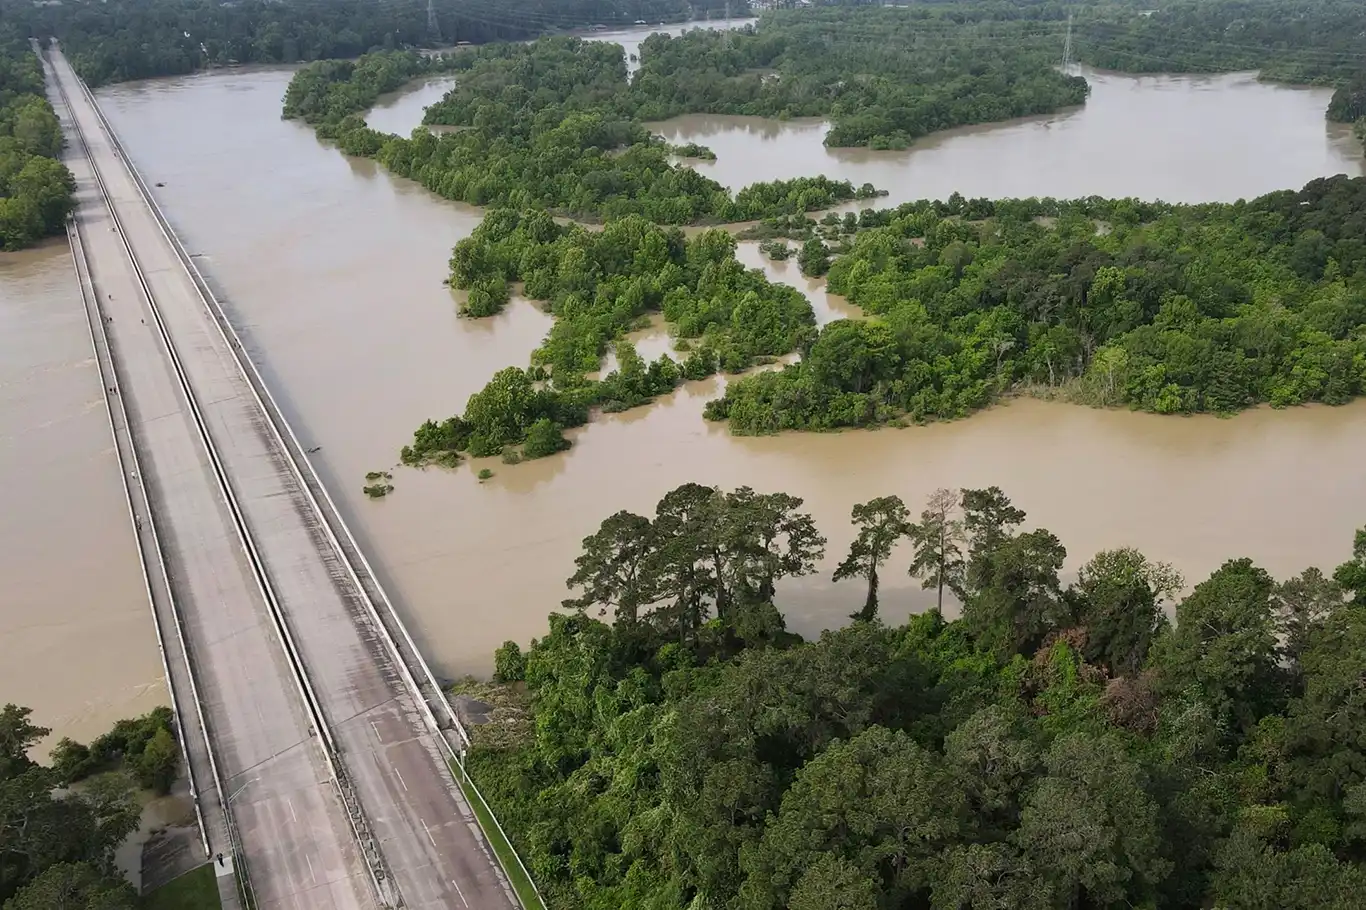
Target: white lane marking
{"points": [[376, 729], [461, 893], [289, 802], [311, 875], [429, 833], [400, 778]]}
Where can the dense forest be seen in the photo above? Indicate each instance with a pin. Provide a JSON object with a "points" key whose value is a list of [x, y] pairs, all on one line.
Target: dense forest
{"points": [[1058, 746], [1296, 41], [1165, 308], [35, 187], [1158, 307], [885, 76], [57, 848], [1289, 40], [542, 130], [115, 40]]}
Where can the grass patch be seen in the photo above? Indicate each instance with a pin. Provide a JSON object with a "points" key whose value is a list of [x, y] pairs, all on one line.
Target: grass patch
{"points": [[526, 894], [194, 890]]}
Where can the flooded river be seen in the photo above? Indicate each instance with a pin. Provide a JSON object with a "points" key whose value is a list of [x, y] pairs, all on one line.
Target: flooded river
{"points": [[76, 639], [333, 271], [1176, 138]]}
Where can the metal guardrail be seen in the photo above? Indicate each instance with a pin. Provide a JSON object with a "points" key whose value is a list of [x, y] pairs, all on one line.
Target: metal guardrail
{"points": [[389, 624], [115, 405], [108, 380], [429, 693]]}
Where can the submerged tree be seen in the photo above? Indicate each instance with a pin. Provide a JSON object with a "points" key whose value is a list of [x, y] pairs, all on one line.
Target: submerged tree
{"points": [[1018, 599], [938, 541], [881, 523], [612, 571], [1120, 607], [704, 552], [1224, 645]]}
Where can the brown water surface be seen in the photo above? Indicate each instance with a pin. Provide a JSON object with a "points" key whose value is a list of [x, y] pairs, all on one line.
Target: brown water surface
{"points": [[333, 270], [76, 636], [1177, 138]]}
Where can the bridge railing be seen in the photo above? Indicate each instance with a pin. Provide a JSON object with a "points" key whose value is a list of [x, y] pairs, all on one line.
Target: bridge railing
{"points": [[413, 666], [99, 336]]}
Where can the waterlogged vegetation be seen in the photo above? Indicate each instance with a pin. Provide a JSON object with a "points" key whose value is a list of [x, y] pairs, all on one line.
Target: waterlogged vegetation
{"points": [[693, 150], [885, 77], [1058, 746], [1102, 302], [56, 844], [1164, 308], [143, 746], [1349, 106], [35, 187], [378, 484], [547, 125], [599, 285]]}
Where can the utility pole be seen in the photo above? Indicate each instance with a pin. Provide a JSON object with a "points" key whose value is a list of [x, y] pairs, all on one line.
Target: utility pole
{"points": [[432, 26], [1067, 47]]}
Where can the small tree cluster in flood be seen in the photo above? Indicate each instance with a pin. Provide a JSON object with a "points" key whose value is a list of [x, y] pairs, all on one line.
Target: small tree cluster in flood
{"points": [[599, 285]]}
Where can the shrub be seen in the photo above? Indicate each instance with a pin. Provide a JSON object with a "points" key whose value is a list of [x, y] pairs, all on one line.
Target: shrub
{"points": [[509, 663]]}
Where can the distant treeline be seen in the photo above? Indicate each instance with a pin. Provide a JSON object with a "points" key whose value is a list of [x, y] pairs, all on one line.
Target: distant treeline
{"points": [[116, 40], [544, 127], [1293, 41], [1296, 41], [35, 187]]}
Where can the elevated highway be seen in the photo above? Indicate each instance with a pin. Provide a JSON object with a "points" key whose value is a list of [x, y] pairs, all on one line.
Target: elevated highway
{"points": [[316, 735]]}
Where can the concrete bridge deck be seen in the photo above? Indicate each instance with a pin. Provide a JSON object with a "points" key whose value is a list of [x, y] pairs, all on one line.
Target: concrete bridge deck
{"points": [[320, 714]]}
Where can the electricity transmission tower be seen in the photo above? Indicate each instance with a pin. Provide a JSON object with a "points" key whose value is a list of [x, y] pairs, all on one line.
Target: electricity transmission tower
{"points": [[1067, 46], [432, 26]]}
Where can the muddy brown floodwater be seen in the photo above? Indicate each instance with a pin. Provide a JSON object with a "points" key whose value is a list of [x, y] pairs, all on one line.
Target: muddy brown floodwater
{"points": [[76, 639], [1176, 138], [333, 271]]}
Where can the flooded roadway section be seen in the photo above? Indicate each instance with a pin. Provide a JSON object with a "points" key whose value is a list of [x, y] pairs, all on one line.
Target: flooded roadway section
{"points": [[333, 271]]}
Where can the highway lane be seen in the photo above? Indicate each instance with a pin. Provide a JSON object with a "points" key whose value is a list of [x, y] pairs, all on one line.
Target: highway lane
{"points": [[430, 851], [300, 850]]}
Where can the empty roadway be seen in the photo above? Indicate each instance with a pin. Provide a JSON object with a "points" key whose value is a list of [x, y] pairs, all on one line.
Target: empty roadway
{"points": [[300, 846]]}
